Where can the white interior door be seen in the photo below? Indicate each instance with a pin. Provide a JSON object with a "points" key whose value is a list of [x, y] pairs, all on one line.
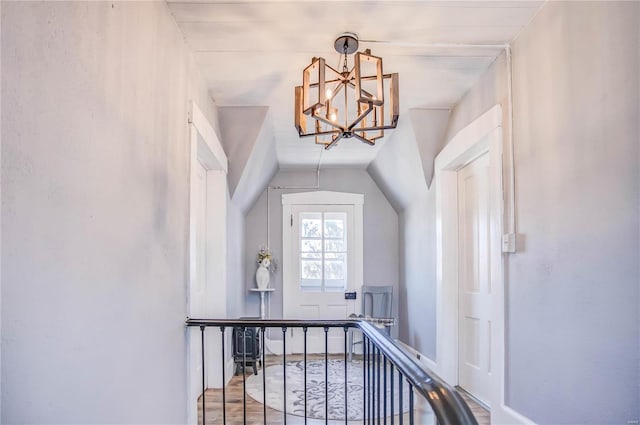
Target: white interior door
{"points": [[323, 268], [474, 291]]}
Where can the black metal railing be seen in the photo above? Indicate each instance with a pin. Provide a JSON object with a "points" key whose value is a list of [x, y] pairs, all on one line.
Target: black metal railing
{"points": [[378, 352]]}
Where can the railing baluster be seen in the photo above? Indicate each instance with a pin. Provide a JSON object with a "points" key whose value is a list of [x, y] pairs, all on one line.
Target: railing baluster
{"points": [[203, 362], [384, 390], [371, 383], [244, 375], [400, 385], [305, 374], [378, 383], [264, 377], [224, 381], [364, 379], [284, 365], [392, 372], [326, 375], [410, 404], [346, 405]]}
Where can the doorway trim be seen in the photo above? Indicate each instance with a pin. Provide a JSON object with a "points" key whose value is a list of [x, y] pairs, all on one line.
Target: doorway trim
{"points": [[482, 135], [205, 148]]}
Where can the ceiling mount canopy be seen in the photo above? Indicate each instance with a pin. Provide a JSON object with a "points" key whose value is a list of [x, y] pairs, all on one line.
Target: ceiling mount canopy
{"points": [[360, 102]]}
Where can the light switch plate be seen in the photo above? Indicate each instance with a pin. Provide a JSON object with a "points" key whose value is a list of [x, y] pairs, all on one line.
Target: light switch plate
{"points": [[509, 243]]}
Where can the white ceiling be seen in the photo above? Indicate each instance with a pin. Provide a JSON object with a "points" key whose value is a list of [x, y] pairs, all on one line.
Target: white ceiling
{"points": [[253, 53]]}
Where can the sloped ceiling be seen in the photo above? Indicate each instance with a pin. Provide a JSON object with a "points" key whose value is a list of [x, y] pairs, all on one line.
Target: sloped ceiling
{"points": [[247, 138], [253, 53]]}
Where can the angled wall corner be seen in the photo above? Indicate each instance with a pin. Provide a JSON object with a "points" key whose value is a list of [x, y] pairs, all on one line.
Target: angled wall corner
{"points": [[247, 137], [429, 128], [397, 169]]}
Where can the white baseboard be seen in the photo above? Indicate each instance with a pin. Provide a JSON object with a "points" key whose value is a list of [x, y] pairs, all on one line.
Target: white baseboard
{"points": [[504, 415]]}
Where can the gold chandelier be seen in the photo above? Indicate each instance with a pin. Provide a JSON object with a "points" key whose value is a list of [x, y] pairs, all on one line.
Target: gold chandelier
{"points": [[347, 103]]}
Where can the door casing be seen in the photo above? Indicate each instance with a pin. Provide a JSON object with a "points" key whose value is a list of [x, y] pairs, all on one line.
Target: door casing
{"points": [[205, 150], [481, 136]]}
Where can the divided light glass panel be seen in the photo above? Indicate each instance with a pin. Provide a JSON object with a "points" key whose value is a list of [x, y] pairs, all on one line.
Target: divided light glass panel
{"points": [[323, 251]]}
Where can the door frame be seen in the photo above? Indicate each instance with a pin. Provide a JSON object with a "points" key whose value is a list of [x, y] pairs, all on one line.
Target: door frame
{"points": [[482, 135], [322, 198], [205, 148]]}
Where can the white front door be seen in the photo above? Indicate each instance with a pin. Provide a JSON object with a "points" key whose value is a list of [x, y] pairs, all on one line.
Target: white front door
{"points": [[474, 281], [323, 268]]}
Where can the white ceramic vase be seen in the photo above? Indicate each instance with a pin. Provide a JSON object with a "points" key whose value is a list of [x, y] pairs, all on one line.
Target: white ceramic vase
{"points": [[262, 274]]}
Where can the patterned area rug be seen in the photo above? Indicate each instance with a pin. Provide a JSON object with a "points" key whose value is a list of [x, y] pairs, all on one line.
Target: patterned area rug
{"points": [[316, 389]]}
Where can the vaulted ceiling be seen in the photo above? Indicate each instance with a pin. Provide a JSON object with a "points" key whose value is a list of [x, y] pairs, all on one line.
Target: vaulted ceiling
{"points": [[252, 54]]}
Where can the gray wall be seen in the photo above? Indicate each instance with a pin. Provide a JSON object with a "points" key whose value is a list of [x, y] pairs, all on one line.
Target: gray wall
{"points": [[95, 212], [573, 324], [418, 291], [236, 260], [380, 229]]}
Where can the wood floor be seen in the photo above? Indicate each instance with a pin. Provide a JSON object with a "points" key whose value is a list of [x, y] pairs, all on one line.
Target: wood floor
{"points": [[255, 411]]}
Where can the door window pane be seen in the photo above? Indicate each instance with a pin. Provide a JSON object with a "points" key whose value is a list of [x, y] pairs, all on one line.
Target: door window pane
{"points": [[323, 251], [311, 245], [311, 225]]}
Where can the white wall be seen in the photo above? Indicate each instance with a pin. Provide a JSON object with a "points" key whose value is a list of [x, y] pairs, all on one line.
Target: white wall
{"points": [[573, 323], [573, 306], [95, 212], [381, 265]]}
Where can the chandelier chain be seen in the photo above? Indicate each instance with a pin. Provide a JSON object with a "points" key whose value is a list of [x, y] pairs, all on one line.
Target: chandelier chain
{"points": [[345, 68]]}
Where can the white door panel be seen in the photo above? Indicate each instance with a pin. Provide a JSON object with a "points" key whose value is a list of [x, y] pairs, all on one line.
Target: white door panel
{"points": [[474, 289]]}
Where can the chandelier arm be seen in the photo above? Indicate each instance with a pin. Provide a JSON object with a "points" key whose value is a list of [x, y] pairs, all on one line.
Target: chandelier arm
{"points": [[334, 141], [321, 133], [340, 75], [371, 77], [380, 127], [353, 86], [364, 139], [360, 118]]}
